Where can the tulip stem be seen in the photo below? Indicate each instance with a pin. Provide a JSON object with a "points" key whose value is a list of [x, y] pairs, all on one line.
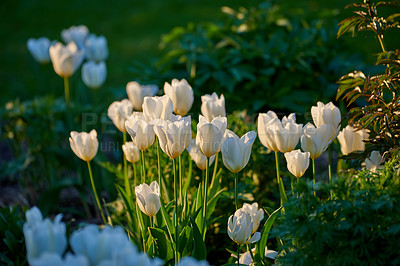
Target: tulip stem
{"points": [[215, 167], [95, 192], [158, 164], [66, 91], [329, 164], [238, 255], [176, 212], [280, 183], [205, 200], [126, 179], [143, 169], [236, 190], [134, 174], [291, 184], [314, 174], [180, 180], [251, 253]]}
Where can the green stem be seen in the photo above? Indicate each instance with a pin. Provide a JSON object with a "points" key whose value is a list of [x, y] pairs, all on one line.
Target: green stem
{"points": [[205, 200], [180, 180], [134, 174], [236, 190], [291, 184], [66, 91], [215, 165], [158, 165], [176, 212], [95, 193], [143, 169], [279, 180], [251, 253], [126, 179], [238, 255], [329, 164], [314, 174]]}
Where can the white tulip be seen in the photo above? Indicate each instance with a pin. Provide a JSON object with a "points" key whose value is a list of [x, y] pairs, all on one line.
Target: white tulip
{"points": [[157, 107], [212, 106], [351, 140], [131, 151], [181, 94], [76, 34], [119, 112], [236, 151], [374, 161], [198, 157], [174, 137], [240, 226], [39, 49], [246, 259], [256, 214], [94, 74], [54, 259], [66, 59], [190, 261], [137, 92], [84, 145], [148, 198], [141, 132], [210, 135], [297, 162], [316, 140], [327, 114], [96, 48]]}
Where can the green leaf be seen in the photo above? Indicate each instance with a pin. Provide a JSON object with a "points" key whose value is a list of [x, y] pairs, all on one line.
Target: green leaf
{"points": [[163, 245], [199, 247], [167, 220], [262, 243]]}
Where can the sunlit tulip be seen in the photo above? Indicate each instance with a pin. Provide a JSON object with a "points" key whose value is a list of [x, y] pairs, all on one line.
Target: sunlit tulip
{"points": [[181, 94], [148, 198], [246, 259], [94, 74], [39, 49], [240, 226], [276, 135], [210, 135], [256, 214], [141, 132], [42, 235], [174, 137], [119, 112], [327, 114], [374, 161], [351, 140], [84, 145], [212, 106], [157, 107], [197, 156], [55, 259], [66, 59], [137, 92], [297, 162], [131, 151], [96, 48], [236, 151], [190, 261], [316, 140], [76, 34]]}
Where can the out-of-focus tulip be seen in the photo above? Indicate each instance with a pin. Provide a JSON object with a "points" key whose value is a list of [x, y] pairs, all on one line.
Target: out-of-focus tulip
{"points": [[327, 114], [181, 94], [141, 132], [119, 112], [374, 161], [39, 49], [54, 259], [137, 92], [76, 34], [246, 259], [84, 145], [157, 107], [43, 235], [210, 135], [351, 140], [131, 151], [276, 135], [96, 48], [94, 74], [316, 140], [66, 59], [297, 162], [212, 106], [236, 151], [255, 213], [198, 157], [240, 226], [174, 137], [148, 198], [190, 261]]}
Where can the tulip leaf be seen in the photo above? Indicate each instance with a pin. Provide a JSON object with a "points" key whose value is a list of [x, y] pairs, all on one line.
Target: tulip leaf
{"points": [[262, 243], [212, 203], [163, 245], [199, 247], [167, 220], [199, 205]]}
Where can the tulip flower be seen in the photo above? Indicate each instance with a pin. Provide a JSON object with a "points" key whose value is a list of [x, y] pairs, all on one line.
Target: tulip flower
{"points": [[94, 74], [39, 48], [210, 135], [84, 145], [76, 34], [190, 261], [131, 151], [351, 140], [181, 94], [137, 92], [43, 235], [297, 162], [240, 227], [212, 106], [198, 157], [246, 258], [66, 59], [316, 140], [119, 112], [374, 161], [96, 48], [174, 137], [141, 132], [327, 114], [157, 107], [256, 214], [55, 259], [148, 198]]}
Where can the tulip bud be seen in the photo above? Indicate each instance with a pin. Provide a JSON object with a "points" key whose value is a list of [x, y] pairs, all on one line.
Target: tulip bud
{"points": [[316, 140], [84, 145], [148, 198], [76, 34], [55, 259], [210, 135], [131, 152], [39, 49], [297, 162], [96, 48], [327, 114], [351, 140], [66, 59], [256, 214], [94, 74], [373, 161], [119, 112], [157, 107], [236, 152], [199, 158], [240, 228], [181, 94], [137, 92], [141, 132], [212, 106], [174, 137]]}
